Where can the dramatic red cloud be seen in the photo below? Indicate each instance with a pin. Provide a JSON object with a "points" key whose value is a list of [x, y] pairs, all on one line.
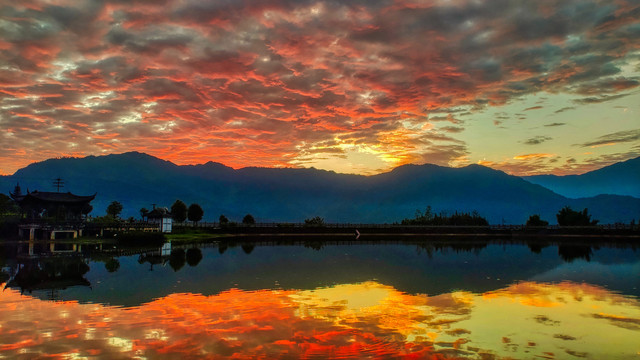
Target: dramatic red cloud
{"points": [[270, 83]]}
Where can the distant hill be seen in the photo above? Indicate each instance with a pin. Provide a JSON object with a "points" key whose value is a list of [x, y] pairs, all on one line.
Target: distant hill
{"points": [[291, 195], [618, 179]]}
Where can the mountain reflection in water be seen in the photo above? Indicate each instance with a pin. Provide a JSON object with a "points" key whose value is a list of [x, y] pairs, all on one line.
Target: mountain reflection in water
{"points": [[246, 299], [524, 320]]}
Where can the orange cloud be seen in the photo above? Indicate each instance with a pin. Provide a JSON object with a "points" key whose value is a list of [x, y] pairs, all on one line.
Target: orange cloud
{"points": [[234, 80], [533, 156]]}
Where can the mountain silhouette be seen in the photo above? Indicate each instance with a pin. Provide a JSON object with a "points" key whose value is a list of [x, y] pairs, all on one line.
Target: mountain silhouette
{"points": [[139, 180], [618, 179]]}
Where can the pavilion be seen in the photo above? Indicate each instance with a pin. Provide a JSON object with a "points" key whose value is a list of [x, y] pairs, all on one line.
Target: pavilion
{"points": [[46, 214]]}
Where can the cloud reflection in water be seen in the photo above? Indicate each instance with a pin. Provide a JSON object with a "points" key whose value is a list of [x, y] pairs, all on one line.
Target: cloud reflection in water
{"points": [[524, 320]]}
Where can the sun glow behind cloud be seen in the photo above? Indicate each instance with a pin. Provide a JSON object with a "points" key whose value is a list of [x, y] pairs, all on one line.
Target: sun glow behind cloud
{"points": [[361, 86]]}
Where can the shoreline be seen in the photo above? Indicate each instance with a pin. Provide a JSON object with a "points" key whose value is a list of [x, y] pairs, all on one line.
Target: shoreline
{"points": [[356, 231]]}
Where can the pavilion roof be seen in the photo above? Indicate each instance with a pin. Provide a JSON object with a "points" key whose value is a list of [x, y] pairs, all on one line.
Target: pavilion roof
{"points": [[58, 197], [159, 212]]}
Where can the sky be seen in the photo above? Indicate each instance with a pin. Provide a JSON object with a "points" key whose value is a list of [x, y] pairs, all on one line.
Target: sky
{"points": [[358, 86]]}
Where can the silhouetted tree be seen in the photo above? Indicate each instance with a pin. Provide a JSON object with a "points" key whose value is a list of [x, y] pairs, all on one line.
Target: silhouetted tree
{"points": [[143, 213], [534, 220], [195, 213], [314, 222], [443, 219], [8, 206], [569, 217], [248, 220], [194, 255], [223, 221], [179, 211], [114, 209]]}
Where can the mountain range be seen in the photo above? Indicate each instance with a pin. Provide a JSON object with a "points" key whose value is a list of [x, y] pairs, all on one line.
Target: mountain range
{"points": [[618, 179], [139, 180]]}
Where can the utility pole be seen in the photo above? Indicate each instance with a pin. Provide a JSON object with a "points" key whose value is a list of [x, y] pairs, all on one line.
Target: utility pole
{"points": [[58, 183]]}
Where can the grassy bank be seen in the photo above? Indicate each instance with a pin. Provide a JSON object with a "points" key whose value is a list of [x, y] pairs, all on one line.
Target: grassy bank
{"points": [[189, 235]]}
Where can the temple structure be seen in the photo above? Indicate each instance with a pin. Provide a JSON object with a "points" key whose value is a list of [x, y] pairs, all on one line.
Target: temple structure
{"points": [[162, 217], [47, 214]]}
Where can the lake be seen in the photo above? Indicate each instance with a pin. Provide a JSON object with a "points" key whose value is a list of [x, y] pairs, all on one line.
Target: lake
{"points": [[419, 298]]}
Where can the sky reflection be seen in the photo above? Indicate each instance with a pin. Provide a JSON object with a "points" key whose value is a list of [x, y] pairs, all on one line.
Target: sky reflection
{"points": [[524, 320]]}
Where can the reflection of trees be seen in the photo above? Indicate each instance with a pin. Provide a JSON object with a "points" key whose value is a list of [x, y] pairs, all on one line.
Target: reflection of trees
{"points": [[222, 247], [152, 258], [51, 274], [112, 265], [315, 245], [248, 248], [194, 256], [177, 259], [430, 248], [536, 248], [4, 276], [571, 252]]}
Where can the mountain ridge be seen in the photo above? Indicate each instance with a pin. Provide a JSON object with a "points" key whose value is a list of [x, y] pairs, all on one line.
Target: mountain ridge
{"points": [[291, 194], [621, 178]]}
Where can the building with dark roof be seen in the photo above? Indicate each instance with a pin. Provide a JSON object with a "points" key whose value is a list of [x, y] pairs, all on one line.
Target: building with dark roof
{"points": [[162, 217], [58, 206], [52, 212]]}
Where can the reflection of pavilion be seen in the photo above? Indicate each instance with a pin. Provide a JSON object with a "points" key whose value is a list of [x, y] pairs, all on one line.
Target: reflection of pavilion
{"points": [[50, 215], [50, 274], [156, 257]]}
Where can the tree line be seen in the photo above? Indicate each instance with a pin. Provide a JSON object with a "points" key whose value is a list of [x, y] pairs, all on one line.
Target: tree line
{"points": [[565, 217], [444, 219], [194, 213]]}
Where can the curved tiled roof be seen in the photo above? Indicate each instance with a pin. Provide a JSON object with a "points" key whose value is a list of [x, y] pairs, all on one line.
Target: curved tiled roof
{"points": [[58, 197], [159, 212]]}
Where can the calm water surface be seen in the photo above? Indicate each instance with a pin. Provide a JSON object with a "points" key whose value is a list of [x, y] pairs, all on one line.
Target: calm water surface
{"points": [[242, 300]]}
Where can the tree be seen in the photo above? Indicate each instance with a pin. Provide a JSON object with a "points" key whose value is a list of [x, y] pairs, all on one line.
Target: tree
{"points": [[569, 217], [195, 213], [8, 206], [248, 220], [314, 222], [179, 211], [223, 221], [534, 220], [428, 218], [114, 209], [143, 213]]}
